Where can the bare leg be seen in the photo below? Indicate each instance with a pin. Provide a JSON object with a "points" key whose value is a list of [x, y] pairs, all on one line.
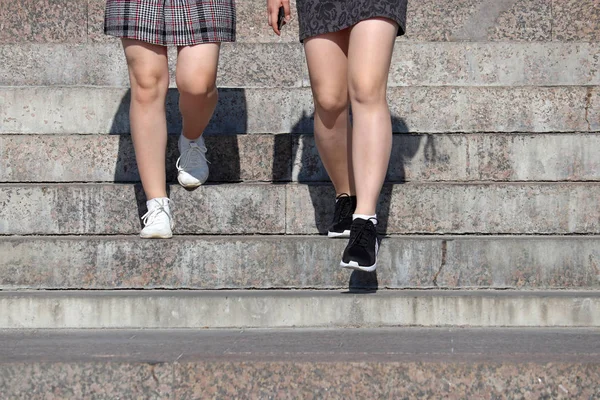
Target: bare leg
{"points": [[196, 80], [369, 57], [328, 64], [149, 77]]}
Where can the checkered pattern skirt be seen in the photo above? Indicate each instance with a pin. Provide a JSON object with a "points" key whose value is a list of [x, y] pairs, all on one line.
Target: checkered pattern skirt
{"points": [[171, 22]]}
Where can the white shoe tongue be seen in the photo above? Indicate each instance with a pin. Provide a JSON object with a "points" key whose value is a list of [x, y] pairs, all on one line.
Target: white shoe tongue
{"points": [[156, 203]]}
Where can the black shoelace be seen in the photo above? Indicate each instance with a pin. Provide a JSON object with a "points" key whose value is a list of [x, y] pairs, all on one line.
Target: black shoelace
{"points": [[343, 207], [364, 234]]}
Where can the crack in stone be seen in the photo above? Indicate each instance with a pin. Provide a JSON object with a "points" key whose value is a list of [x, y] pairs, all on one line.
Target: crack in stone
{"points": [[588, 102], [443, 263], [154, 374]]}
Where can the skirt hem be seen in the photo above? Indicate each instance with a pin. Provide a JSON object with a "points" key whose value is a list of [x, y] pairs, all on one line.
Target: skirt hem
{"points": [[193, 42], [305, 35]]}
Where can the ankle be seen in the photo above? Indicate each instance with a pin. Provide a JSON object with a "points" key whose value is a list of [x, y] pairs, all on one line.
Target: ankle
{"points": [[155, 201], [190, 136], [367, 217]]}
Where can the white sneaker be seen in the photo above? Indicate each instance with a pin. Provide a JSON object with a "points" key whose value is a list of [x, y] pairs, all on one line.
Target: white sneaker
{"points": [[192, 165], [158, 222]]}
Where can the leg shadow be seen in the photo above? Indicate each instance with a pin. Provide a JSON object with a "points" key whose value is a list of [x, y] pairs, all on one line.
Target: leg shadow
{"points": [[126, 170], [222, 140], [307, 168], [226, 138]]}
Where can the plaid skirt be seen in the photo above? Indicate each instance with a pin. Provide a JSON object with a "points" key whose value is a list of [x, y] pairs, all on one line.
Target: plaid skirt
{"points": [[171, 22]]}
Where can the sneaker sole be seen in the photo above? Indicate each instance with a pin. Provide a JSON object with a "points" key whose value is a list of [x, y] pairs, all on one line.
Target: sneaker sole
{"points": [[157, 236], [190, 186], [354, 265], [345, 234]]}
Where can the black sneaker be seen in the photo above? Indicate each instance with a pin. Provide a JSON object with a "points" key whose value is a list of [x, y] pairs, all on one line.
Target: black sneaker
{"points": [[361, 252], [342, 218]]}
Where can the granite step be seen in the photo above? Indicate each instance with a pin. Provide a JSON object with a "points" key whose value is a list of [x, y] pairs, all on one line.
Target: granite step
{"points": [[159, 309], [420, 109], [393, 363], [250, 65], [297, 262], [81, 21], [284, 158], [250, 208]]}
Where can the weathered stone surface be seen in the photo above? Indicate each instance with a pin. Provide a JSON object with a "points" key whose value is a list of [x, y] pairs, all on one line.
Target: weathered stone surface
{"points": [[209, 263], [307, 363], [390, 380], [262, 65], [416, 109], [58, 381], [299, 309], [15, 22], [234, 158], [479, 109], [576, 20], [95, 17], [59, 21], [115, 209], [105, 110], [523, 262], [518, 208], [111, 158], [37, 64], [592, 109], [496, 157], [240, 65], [506, 346], [519, 20], [332, 380], [251, 65], [495, 64], [479, 20], [43, 21], [294, 262]]}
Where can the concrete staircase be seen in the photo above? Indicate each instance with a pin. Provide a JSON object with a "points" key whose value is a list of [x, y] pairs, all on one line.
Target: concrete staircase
{"points": [[491, 209]]}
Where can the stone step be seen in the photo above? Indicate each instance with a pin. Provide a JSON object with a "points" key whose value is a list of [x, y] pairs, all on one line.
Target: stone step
{"points": [[297, 262], [284, 158], [81, 21], [393, 363], [169, 309], [424, 208], [63, 110], [251, 65]]}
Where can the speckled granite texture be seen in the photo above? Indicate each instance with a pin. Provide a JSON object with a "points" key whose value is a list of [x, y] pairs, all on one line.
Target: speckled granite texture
{"points": [[295, 209], [416, 158], [576, 20], [289, 380], [79, 21], [85, 381]]}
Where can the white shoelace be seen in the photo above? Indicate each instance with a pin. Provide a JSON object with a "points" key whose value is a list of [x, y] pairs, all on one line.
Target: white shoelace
{"points": [[193, 156], [150, 216]]}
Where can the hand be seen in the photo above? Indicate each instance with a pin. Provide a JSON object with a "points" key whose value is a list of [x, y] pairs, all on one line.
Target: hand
{"points": [[273, 10]]}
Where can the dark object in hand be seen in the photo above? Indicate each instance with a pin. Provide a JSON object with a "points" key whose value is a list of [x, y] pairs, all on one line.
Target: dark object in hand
{"points": [[281, 18]]}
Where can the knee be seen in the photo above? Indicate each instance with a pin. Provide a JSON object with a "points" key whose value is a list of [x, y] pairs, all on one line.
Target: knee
{"points": [[197, 87], [149, 85], [367, 93], [330, 103]]}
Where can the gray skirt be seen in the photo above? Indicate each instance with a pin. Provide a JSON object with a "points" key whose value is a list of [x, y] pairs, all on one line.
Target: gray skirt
{"points": [[317, 17]]}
